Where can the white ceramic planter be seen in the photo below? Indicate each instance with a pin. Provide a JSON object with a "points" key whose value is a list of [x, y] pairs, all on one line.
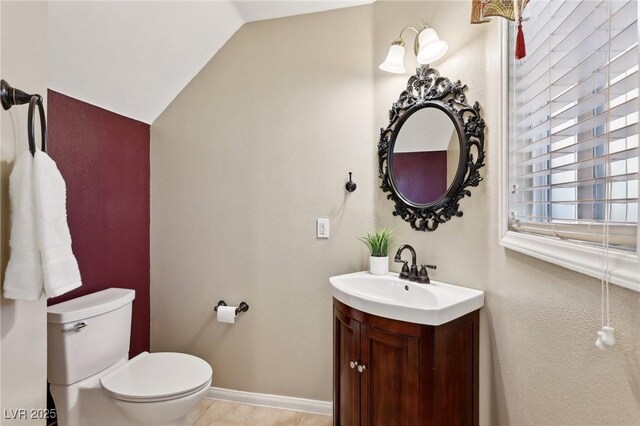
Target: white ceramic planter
{"points": [[379, 265]]}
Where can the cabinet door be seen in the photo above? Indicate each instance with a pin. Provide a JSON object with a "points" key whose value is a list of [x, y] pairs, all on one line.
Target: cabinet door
{"points": [[346, 388], [389, 381]]}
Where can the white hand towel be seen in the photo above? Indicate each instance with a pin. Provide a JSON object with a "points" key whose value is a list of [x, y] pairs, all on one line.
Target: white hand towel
{"points": [[23, 279], [59, 265]]}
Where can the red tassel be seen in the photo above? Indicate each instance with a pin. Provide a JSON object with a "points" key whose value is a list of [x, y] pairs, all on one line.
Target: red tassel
{"points": [[521, 51]]}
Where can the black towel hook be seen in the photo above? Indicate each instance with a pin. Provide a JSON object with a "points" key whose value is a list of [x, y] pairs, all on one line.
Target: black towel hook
{"points": [[351, 185], [10, 96]]}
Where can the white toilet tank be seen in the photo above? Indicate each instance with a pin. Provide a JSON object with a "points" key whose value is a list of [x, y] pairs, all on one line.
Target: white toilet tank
{"points": [[88, 334]]}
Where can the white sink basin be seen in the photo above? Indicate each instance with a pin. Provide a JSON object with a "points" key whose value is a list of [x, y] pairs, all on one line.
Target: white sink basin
{"points": [[390, 297]]}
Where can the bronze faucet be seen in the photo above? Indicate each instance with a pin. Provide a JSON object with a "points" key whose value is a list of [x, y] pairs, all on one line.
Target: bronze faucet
{"points": [[412, 274]]}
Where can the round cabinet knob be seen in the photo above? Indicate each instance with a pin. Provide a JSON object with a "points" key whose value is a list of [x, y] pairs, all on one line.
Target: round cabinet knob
{"points": [[361, 368], [353, 364]]}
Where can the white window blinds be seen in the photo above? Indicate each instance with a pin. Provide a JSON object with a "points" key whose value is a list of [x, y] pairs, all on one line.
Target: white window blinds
{"points": [[573, 131]]}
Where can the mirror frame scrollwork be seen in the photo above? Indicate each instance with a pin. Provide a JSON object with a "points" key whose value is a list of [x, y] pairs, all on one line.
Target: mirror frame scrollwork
{"points": [[428, 89]]}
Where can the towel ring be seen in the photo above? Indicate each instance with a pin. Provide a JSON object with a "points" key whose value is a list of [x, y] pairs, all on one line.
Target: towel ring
{"points": [[36, 101], [10, 96]]}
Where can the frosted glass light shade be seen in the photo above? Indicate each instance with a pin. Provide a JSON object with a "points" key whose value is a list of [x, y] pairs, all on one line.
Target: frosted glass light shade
{"points": [[431, 47], [395, 60]]}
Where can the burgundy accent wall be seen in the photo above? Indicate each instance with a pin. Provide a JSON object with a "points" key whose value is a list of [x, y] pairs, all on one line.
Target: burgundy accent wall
{"points": [[420, 176], [104, 158]]}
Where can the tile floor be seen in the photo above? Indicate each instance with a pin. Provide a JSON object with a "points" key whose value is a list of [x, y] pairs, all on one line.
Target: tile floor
{"points": [[223, 413]]}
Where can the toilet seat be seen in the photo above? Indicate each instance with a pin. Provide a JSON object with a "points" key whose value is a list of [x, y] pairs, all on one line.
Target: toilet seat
{"points": [[156, 377], [134, 399]]}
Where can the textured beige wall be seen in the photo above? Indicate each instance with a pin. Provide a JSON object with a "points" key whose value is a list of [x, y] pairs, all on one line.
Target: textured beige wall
{"points": [[245, 159], [539, 365], [258, 146], [23, 332]]}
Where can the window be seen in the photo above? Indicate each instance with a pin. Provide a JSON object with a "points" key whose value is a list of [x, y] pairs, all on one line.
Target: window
{"points": [[573, 136]]}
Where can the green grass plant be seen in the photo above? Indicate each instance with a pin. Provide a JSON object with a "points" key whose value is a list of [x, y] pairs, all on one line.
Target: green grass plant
{"points": [[379, 242]]}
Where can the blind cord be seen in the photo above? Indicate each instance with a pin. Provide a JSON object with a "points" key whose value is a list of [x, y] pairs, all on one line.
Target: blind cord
{"points": [[607, 172], [606, 339]]}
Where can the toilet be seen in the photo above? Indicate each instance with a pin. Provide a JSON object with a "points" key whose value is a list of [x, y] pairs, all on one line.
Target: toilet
{"points": [[94, 383]]}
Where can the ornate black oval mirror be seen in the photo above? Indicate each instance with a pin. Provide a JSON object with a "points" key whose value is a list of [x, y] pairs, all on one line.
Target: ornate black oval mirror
{"points": [[431, 151]]}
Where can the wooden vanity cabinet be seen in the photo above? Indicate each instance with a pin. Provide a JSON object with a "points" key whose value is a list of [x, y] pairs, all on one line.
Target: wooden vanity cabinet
{"points": [[393, 373]]}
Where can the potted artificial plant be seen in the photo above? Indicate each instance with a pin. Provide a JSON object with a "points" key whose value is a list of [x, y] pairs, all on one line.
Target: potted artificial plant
{"points": [[379, 243]]}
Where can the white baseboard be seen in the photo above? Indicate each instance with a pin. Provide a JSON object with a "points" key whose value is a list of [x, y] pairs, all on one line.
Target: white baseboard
{"points": [[275, 401]]}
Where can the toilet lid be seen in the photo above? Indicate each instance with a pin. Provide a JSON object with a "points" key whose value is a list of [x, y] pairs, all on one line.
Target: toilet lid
{"points": [[158, 375]]}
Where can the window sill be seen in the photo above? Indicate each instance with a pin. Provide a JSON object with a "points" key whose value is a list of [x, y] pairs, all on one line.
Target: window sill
{"points": [[624, 267]]}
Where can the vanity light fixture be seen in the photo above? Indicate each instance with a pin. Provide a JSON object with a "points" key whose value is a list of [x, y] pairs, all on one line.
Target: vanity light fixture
{"points": [[427, 47]]}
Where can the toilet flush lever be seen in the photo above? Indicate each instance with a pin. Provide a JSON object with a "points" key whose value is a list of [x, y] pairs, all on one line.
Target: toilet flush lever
{"points": [[76, 327]]}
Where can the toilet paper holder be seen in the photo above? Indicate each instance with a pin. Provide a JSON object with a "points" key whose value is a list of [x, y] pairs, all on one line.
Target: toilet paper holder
{"points": [[243, 307]]}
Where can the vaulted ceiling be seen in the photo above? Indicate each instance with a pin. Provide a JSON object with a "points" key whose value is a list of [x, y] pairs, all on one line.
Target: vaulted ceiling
{"points": [[135, 57]]}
